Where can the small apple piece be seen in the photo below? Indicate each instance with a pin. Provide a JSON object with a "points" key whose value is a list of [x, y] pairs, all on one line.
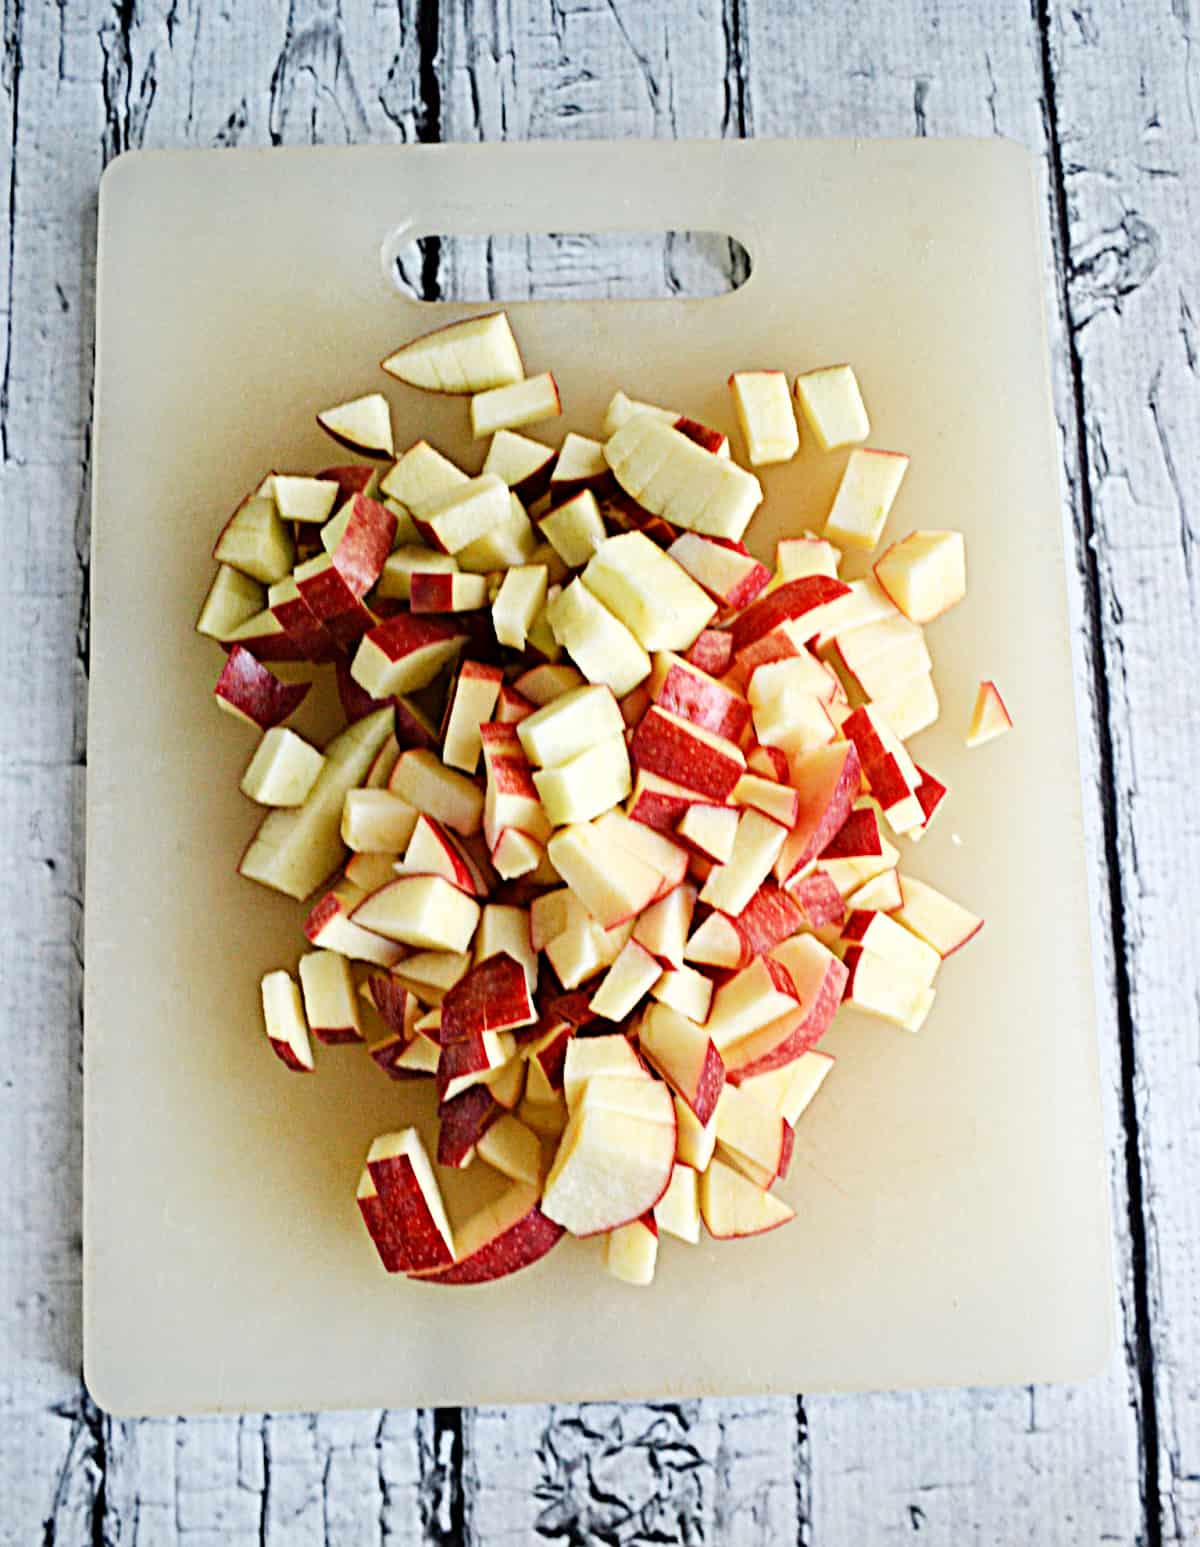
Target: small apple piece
{"points": [[423, 911], [622, 408], [547, 1119], [685, 990], [765, 416], [508, 408], [295, 850], [931, 792], [462, 1122], [796, 557], [434, 851], [409, 1194], [612, 885], [432, 974], [731, 575], [673, 477], [611, 1166], [472, 701], [521, 596], [447, 593], [330, 1003], [471, 1061], [659, 803], [507, 928], [596, 640], [511, 1148], [368, 871], [474, 355], [687, 754], [588, 785], [568, 725], [265, 638], [910, 707], [305, 499], [711, 830], [663, 928], [516, 854], [384, 1228], [308, 633], [256, 542], [882, 656], [522, 463], [465, 512], [768, 763], [377, 822], [886, 762], [656, 599], [880, 934], [801, 607], [685, 1055], [882, 989], [790, 1089], [249, 691], [925, 574], [541, 684], [575, 529], [696, 1142], [712, 652], [940, 922], [678, 1210], [584, 949], [732, 1206], [507, 542], [329, 927], [778, 801], [631, 1251], [989, 718], [363, 425], [864, 497], [512, 707], [440, 792], [588, 1058], [751, 1137], [827, 781], [421, 479], [626, 983], [754, 997], [832, 406], [283, 1014], [404, 654], [395, 581], [492, 996], [756, 849], [683, 689], [501, 1238], [881, 894], [232, 599], [283, 769], [392, 1002]]}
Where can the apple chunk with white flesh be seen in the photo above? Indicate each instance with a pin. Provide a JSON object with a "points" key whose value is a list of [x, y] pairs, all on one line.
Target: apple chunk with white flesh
{"points": [[590, 1058], [251, 692], [283, 1015], [938, 920], [631, 1251], [404, 654], [329, 927], [687, 754], [330, 1003], [500, 1238], [626, 983], [796, 557], [756, 847], [411, 1200], [612, 885], [832, 405], [685, 1056], [652, 848], [656, 599], [522, 463], [751, 1137], [568, 725], [682, 689], [730, 575], [622, 408], [575, 529], [283, 770], [304, 499], [989, 718], [864, 497], [447, 593], [425, 782], [466, 512], [678, 1210], [673, 477], [469, 356], [521, 597], [591, 783], [710, 830], [377, 822], [765, 416], [295, 850], [395, 579], [363, 425], [256, 542], [790, 1089], [492, 996], [512, 1149], [663, 928], [423, 911], [508, 408], [434, 851], [596, 640], [880, 934], [751, 999], [232, 599], [818, 979], [732, 1206], [882, 989], [472, 701], [580, 465], [611, 1167], [925, 574]]}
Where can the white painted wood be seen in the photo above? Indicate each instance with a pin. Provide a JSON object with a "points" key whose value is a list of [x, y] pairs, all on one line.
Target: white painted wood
{"points": [[1048, 1467]]}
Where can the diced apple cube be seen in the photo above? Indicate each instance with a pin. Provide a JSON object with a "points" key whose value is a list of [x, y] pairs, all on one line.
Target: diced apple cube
{"points": [[425, 782], [796, 557], [287, 1030], [575, 528], [989, 718], [943, 924], [755, 851], [925, 574], [597, 641], [283, 770], [591, 783], [521, 596], [256, 541], [511, 1148], [377, 822], [580, 465], [508, 408], [523, 464], [832, 406], [732, 1206], [405, 654], [626, 983], [881, 988], [568, 725], [678, 1210], [364, 425], [864, 497], [472, 700], [663, 927], [233, 598], [631, 1251], [474, 355], [423, 911], [656, 599], [765, 415], [330, 1003]]}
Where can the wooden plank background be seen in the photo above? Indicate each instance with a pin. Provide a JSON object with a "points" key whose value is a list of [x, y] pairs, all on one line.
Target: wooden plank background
{"points": [[1106, 94]]}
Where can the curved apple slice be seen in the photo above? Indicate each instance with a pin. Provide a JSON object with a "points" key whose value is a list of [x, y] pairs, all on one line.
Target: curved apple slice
{"points": [[733, 1206], [501, 1238], [611, 1167]]}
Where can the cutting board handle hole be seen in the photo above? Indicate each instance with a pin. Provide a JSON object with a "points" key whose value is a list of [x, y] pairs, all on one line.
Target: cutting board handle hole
{"points": [[565, 266]]}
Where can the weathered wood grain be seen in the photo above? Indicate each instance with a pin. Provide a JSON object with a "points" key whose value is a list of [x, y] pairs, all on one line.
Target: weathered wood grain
{"points": [[1116, 121]]}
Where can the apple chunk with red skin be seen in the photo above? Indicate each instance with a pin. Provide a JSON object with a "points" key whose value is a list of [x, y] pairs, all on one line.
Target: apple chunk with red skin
{"points": [[827, 781], [493, 996], [501, 1238], [612, 1165], [423, 911], [686, 691], [404, 654], [410, 1201], [989, 718], [687, 754], [283, 1015], [330, 1003], [685, 1056], [363, 425], [252, 692], [819, 980], [473, 355], [612, 885], [733, 1206], [462, 1122]]}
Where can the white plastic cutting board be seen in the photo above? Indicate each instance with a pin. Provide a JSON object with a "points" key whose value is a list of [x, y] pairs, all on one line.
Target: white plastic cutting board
{"points": [[950, 1186]]}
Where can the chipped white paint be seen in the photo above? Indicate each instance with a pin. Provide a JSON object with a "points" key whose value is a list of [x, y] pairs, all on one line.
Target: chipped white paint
{"points": [[1111, 107]]}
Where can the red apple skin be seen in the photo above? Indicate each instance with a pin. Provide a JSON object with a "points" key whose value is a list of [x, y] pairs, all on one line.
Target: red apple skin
{"points": [[335, 1036], [659, 809], [786, 1149], [493, 996], [930, 793], [818, 899], [785, 605], [466, 1055], [518, 1247], [402, 635], [824, 811], [349, 479], [412, 730], [707, 704], [703, 1100], [700, 434], [432, 592], [768, 763], [356, 703], [286, 1055], [857, 838], [712, 651], [462, 1122], [386, 1233], [810, 1026], [632, 517], [663, 746], [390, 1000], [256, 693], [405, 1208], [553, 1057], [365, 544], [572, 1006], [771, 916], [305, 629], [268, 647]]}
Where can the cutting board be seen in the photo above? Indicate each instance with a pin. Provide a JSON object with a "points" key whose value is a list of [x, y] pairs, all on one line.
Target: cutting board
{"points": [[950, 1186]]}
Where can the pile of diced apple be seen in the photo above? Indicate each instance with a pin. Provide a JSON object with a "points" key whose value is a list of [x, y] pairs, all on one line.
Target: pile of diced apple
{"points": [[613, 827]]}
